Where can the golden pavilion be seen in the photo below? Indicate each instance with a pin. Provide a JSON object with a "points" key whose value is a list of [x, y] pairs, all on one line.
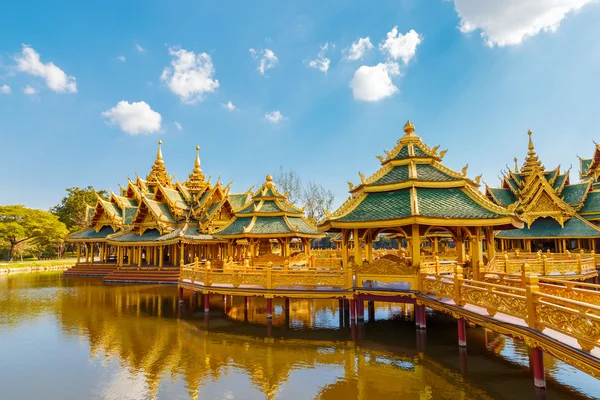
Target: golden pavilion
{"points": [[414, 195], [559, 216], [162, 223]]}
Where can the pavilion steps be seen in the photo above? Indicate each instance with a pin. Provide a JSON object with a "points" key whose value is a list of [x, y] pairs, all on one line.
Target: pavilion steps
{"points": [[90, 270], [145, 275]]}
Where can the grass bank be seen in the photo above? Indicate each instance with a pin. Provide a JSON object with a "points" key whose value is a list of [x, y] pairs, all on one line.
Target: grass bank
{"points": [[38, 263]]}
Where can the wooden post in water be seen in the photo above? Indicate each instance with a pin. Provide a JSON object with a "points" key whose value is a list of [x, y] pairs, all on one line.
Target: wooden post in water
{"points": [[206, 302], [371, 310], [269, 308], [360, 309], [462, 332], [539, 376]]}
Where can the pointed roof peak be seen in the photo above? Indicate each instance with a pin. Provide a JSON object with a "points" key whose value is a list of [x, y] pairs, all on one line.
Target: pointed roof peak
{"points": [[159, 157], [532, 161], [158, 174], [409, 128], [195, 183]]}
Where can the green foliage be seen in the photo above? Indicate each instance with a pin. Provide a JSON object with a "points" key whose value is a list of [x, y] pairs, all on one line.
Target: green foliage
{"points": [[19, 225], [72, 208]]}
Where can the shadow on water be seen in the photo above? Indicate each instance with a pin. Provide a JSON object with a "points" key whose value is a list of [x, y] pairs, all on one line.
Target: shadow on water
{"points": [[124, 341]]}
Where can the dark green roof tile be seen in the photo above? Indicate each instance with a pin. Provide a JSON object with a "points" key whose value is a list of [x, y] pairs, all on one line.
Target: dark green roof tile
{"points": [[504, 196], [550, 228], [403, 153], [559, 181], [129, 215], [91, 233], [419, 152], [395, 175], [451, 203], [573, 194], [584, 165], [430, 173], [592, 203], [380, 206]]}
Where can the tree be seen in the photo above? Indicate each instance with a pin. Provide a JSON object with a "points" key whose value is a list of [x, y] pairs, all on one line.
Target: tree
{"points": [[19, 224], [316, 200], [312, 195], [71, 210], [289, 182]]}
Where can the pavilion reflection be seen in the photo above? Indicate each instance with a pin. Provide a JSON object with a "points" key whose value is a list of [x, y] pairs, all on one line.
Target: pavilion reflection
{"points": [[138, 327]]}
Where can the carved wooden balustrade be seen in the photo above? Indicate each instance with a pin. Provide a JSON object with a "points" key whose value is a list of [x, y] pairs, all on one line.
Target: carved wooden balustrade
{"points": [[268, 277], [386, 270], [438, 265], [569, 308], [560, 265]]}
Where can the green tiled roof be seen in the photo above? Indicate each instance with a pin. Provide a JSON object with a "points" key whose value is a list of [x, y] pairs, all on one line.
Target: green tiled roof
{"points": [[512, 183], [592, 203], [550, 175], [303, 227], [270, 225], [550, 228], [380, 206], [596, 186], [419, 152], [236, 227], [151, 235], [451, 203], [403, 153], [504, 196], [90, 233], [559, 181], [270, 206], [177, 198], [430, 173], [162, 210], [268, 192], [127, 201], [395, 175], [518, 178], [573, 194], [129, 214], [112, 208], [238, 200], [591, 216], [584, 165]]}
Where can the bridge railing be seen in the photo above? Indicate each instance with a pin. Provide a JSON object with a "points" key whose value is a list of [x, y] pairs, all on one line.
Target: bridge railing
{"points": [[572, 310], [267, 278], [438, 265], [547, 264]]}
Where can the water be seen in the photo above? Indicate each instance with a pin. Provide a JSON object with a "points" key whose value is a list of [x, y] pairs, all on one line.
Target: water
{"points": [[75, 338]]}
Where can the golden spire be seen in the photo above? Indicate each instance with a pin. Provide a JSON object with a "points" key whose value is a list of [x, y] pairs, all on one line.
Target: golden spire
{"points": [[158, 174], [532, 161], [195, 183], [159, 159], [409, 128], [409, 137], [516, 166]]}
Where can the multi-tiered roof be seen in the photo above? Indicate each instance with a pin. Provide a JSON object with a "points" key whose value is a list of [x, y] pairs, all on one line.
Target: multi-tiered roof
{"points": [[160, 210], [551, 206], [413, 186], [269, 215]]}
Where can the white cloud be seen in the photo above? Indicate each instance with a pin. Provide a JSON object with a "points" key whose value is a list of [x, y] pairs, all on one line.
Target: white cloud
{"points": [[401, 46], [139, 48], [274, 117], [374, 83], [5, 89], [135, 118], [190, 76], [121, 58], [178, 126], [359, 48], [29, 91], [29, 62], [321, 62], [229, 106], [509, 22], [268, 59]]}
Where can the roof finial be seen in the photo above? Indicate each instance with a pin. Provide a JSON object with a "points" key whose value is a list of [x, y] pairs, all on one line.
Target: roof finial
{"points": [[516, 166], [269, 178], [197, 162], [409, 128], [159, 159], [530, 140]]}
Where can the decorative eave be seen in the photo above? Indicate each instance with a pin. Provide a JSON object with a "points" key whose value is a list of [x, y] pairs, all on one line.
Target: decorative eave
{"points": [[507, 222]]}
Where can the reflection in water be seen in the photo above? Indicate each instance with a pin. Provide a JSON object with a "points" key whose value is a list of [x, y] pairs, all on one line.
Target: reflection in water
{"points": [[82, 339]]}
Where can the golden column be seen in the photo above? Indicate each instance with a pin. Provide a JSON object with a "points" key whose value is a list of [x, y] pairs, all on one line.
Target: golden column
{"points": [[357, 247], [415, 245]]}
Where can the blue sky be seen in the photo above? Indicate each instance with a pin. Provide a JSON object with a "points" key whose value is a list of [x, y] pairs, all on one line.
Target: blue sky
{"points": [[472, 77]]}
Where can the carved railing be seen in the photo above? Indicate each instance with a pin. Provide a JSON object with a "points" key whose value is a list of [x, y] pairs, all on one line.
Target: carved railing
{"points": [[438, 266], [388, 270], [569, 308], [269, 277], [547, 264]]}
